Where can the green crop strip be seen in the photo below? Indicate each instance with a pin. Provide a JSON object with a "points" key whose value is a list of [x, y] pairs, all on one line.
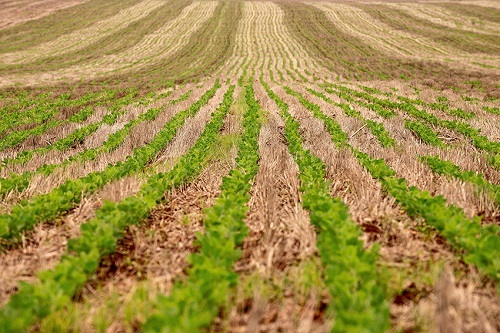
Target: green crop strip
{"points": [[492, 110], [380, 109], [48, 206], [440, 105], [479, 243], [29, 110], [18, 102], [81, 116], [182, 98], [458, 112], [449, 169], [21, 181], [377, 129], [479, 141], [428, 136], [100, 235], [78, 136], [425, 133], [493, 160], [193, 305], [358, 296]]}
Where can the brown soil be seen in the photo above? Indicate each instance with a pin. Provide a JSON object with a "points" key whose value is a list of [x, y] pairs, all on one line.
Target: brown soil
{"points": [[280, 237]]}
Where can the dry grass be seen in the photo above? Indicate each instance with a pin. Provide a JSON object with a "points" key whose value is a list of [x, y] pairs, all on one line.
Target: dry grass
{"points": [[82, 38], [157, 249], [151, 48], [263, 38], [57, 23], [289, 300], [280, 233], [187, 135], [42, 248], [53, 134]]}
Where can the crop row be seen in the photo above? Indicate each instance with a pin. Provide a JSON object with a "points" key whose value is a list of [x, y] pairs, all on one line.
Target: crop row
{"points": [[440, 105], [18, 102], [48, 206], [114, 140], [492, 110], [424, 132], [100, 235], [376, 128], [194, 304], [25, 112], [381, 110], [479, 141], [478, 243], [181, 98], [358, 297], [427, 135], [449, 169], [17, 137]]}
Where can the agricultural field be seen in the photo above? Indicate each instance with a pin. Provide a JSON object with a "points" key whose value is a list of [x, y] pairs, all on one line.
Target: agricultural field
{"points": [[249, 166]]}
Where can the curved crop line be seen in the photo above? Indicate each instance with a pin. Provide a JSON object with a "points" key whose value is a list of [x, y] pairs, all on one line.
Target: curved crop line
{"points": [[194, 304], [20, 181], [354, 21], [420, 129], [82, 38], [41, 110], [100, 235], [441, 16], [377, 129], [78, 135], [156, 46], [48, 206], [58, 23], [449, 169], [439, 105], [359, 301], [477, 140], [468, 236]]}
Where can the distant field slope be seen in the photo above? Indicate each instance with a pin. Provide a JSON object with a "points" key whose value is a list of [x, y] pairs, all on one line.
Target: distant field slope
{"points": [[16, 12]]}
